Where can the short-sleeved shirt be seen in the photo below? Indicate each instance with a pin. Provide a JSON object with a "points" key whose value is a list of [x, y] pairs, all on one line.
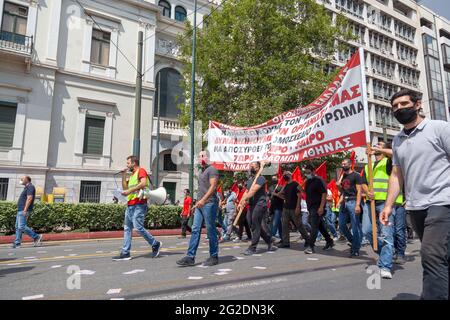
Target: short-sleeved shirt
{"points": [[260, 196], [141, 174], [187, 203], [349, 183], [29, 190], [314, 188], [290, 193], [204, 185], [424, 160], [230, 205]]}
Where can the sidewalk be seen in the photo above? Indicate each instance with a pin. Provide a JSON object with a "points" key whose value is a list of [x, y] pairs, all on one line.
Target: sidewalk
{"points": [[64, 236]]}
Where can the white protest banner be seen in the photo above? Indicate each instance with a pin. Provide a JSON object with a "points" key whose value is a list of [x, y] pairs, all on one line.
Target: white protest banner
{"points": [[336, 121]]}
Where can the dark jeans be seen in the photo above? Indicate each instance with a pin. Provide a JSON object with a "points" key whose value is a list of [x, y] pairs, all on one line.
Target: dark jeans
{"points": [[184, 226], [258, 216], [289, 215], [243, 223], [433, 227], [317, 224]]}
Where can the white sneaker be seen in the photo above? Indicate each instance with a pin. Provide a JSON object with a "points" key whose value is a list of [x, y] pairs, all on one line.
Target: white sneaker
{"points": [[386, 274]]}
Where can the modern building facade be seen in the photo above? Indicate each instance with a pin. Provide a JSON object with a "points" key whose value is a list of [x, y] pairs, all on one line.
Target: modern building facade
{"points": [[67, 84]]}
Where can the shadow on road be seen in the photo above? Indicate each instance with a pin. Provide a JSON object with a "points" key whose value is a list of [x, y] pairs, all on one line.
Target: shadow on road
{"points": [[7, 259], [5, 272], [406, 296]]}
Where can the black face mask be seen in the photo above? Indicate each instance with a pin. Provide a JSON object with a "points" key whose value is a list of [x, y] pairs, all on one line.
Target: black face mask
{"points": [[346, 169], [406, 115], [252, 171], [275, 181], [286, 177]]}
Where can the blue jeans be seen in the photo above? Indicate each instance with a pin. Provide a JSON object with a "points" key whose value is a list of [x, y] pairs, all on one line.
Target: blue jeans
{"points": [[366, 224], [209, 214], [134, 218], [399, 231], [347, 212], [330, 219], [21, 227], [276, 223], [385, 236]]}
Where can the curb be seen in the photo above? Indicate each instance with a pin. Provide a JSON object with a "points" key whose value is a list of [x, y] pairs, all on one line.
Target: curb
{"points": [[91, 235]]}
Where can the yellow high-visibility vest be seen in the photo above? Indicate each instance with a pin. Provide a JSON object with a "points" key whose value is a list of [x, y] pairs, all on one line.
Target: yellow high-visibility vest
{"points": [[381, 181], [134, 181]]}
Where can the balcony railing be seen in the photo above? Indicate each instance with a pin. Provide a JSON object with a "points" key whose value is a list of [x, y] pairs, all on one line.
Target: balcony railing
{"points": [[16, 42], [169, 127]]}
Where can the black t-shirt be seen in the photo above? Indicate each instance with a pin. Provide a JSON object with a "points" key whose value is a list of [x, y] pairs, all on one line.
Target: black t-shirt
{"points": [[388, 170], [260, 196], [290, 192], [314, 189], [276, 203], [349, 183]]}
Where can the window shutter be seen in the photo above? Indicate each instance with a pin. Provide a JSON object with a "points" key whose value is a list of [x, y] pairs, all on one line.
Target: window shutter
{"points": [[93, 136], [7, 124]]}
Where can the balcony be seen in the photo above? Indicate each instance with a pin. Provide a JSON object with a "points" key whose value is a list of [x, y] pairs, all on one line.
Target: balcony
{"points": [[168, 127], [16, 45]]}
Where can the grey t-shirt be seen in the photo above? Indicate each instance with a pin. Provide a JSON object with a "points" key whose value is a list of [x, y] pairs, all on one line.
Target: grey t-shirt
{"points": [[260, 196], [424, 160], [203, 183]]}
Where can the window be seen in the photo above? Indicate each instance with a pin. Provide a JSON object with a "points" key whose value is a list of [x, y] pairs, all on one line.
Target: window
{"points": [[90, 191], [100, 47], [3, 188], [171, 93], [446, 54], [7, 123], [166, 8], [171, 188], [14, 23], [168, 164], [180, 14], [93, 135]]}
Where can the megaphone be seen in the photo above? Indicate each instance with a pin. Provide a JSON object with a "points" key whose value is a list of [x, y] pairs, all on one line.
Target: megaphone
{"points": [[157, 196]]}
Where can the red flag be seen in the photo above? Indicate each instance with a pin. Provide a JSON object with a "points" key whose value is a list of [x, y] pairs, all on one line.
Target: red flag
{"points": [[219, 190], [334, 190], [321, 171], [362, 173], [234, 188], [241, 194], [281, 181], [352, 158], [297, 176]]}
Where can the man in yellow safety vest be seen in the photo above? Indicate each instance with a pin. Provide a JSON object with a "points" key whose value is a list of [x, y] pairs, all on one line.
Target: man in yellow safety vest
{"points": [[382, 169], [135, 190]]}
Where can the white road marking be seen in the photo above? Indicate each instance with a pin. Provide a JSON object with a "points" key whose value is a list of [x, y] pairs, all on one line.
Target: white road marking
{"points": [[211, 291], [60, 257], [114, 291], [98, 251], [13, 264], [68, 250], [260, 268], [224, 270], [195, 278], [312, 259], [239, 258], [333, 269], [85, 272], [73, 255], [117, 299], [221, 273], [205, 251], [57, 266], [42, 252], [202, 266], [39, 296], [236, 247], [27, 258], [134, 271]]}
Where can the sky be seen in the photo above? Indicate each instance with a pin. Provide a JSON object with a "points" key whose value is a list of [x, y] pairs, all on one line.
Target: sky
{"points": [[441, 7]]}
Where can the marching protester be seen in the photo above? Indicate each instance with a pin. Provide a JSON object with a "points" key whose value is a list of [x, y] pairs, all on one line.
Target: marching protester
{"points": [[230, 212], [186, 213], [330, 217], [243, 222], [205, 210], [421, 162], [276, 208], [257, 199], [136, 209], [291, 195], [25, 207], [382, 169], [316, 198], [350, 206]]}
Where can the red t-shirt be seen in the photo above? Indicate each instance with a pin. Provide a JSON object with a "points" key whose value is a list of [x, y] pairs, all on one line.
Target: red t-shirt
{"points": [[187, 204], [142, 174]]}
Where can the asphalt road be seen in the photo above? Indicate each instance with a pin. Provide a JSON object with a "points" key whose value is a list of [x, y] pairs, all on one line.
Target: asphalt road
{"points": [[84, 270]]}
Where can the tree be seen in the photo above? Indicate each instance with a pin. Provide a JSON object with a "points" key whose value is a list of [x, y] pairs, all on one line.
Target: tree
{"points": [[259, 58]]}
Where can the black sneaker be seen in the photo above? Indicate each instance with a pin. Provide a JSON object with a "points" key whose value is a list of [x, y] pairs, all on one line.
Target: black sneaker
{"points": [[354, 254], [15, 246], [281, 245], [328, 246], [122, 257], [249, 252], [186, 262], [38, 241], [155, 249], [309, 250], [212, 261]]}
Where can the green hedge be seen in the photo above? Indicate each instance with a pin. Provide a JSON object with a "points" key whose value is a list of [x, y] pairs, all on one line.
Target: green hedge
{"points": [[56, 217]]}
